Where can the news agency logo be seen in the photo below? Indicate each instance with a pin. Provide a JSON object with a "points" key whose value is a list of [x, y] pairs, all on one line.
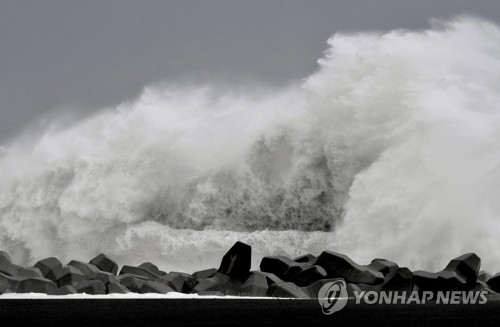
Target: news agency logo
{"points": [[332, 297]]}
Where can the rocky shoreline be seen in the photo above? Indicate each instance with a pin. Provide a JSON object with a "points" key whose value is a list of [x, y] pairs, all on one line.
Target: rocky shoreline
{"points": [[279, 276]]}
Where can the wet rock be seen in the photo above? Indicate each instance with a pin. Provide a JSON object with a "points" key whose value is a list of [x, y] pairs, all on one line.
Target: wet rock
{"points": [[94, 287], [483, 276], [3, 290], [384, 266], [283, 267], [219, 282], [115, 288], [307, 258], [426, 281], [50, 268], [255, 285], [206, 273], [70, 276], [271, 278], [152, 268], [287, 290], [5, 258], [28, 272], [309, 275], [482, 286], [139, 271], [494, 282], [35, 285], [205, 285], [6, 265], [7, 283], [443, 280], [133, 283], [179, 281], [236, 262], [155, 287], [313, 289], [87, 269], [401, 280], [174, 280], [105, 277], [467, 266], [63, 290], [189, 282], [339, 265], [451, 280], [104, 263]]}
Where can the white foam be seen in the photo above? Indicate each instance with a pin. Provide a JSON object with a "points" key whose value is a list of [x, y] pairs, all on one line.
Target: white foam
{"points": [[394, 142]]}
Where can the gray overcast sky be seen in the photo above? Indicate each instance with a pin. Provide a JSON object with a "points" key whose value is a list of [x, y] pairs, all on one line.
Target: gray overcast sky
{"points": [[90, 54]]}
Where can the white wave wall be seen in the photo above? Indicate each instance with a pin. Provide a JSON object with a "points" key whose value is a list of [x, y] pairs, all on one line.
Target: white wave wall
{"points": [[391, 149]]}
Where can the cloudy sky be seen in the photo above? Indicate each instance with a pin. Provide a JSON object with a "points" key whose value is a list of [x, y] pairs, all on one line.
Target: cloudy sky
{"points": [[80, 56]]}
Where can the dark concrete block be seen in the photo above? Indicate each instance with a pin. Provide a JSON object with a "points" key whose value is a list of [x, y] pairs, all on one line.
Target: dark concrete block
{"points": [[94, 287], [106, 277], [255, 285], [115, 288], [452, 280], [35, 285], [283, 267], [439, 281], [50, 268], [483, 276], [219, 282], [309, 275], [206, 273], [71, 276], [152, 268], [104, 263], [155, 287], [8, 283], [139, 271], [132, 282], [174, 280], [5, 258], [494, 282], [9, 269], [307, 258], [426, 281], [271, 278], [482, 286], [467, 266], [287, 290], [401, 280], [236, 262], [384, 266], [206, 284], [6, 265], [189, 282], [87, 269], [63, 290], [28, 272], [339, 265]]}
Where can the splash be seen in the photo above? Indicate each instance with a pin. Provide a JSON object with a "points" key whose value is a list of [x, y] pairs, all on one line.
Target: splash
{"points": [[392, 148]]}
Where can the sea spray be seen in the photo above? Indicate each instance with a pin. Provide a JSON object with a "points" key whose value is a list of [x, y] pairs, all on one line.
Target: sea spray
{"points": [[391, 149]]}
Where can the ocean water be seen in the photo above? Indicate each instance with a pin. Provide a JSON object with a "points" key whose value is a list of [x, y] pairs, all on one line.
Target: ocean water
{"points": [[390, 149]]}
